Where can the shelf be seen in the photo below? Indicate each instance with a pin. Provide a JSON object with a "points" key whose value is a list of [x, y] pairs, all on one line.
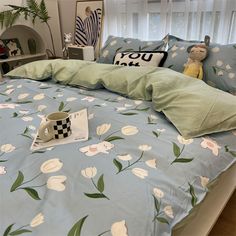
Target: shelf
{"points": [[23, 57]]}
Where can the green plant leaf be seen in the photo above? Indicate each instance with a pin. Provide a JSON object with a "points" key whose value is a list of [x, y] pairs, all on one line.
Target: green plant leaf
{"points": [[182, 160], [76, 229], [61, 106], [162, 220], [23, 102], [33, 193], [7, 231], [157, 204], [192, 193], [19, 180], [95, 195], [214, 69], [20, 231], [100, 184], [176, 150], [233, 153], [128, 113], [156, 134], [118, 165], [14, 115], [112, 138]]}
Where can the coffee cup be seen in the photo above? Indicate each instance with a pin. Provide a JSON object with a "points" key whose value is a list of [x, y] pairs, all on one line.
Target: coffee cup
{"points": [[56, 126]]}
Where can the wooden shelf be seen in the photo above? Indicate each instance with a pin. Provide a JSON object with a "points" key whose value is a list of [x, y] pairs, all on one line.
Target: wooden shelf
{"points": [[23, 57]]}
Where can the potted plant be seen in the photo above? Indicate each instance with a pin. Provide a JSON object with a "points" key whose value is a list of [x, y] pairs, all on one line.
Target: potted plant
{"points": [[32, 10]]}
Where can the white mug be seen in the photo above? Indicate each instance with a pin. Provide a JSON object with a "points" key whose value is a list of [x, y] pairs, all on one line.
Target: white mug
{"points": [[56, 126]]}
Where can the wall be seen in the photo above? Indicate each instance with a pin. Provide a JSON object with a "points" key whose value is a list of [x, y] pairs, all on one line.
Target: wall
{"points": [[41, 29], [67, 10]]}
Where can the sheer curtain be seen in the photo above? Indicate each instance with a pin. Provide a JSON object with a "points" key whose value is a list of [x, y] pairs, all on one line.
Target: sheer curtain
{"points": [[187, 19]]}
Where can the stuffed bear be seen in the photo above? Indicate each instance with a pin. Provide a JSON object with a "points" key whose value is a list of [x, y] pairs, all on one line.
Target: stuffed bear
{"points": [[194, 66]]}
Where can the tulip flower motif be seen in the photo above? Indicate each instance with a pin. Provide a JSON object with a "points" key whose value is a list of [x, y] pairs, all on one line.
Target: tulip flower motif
{"points": [[37, 220], [204, 181], [151, 163], [168, 211], [7, 148], [129, 130], [56, 183], [102, 129], [51, 166], [184, 141], [41, 107], [39, 96], [158, 193], [23, 95], [119, 229], [3, 170], [144, 147], [139, 172], [125, 157], [89, 172]]}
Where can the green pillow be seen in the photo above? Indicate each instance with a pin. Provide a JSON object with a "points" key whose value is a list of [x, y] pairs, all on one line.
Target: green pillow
{"points": [[194, 107], [37, 70]]}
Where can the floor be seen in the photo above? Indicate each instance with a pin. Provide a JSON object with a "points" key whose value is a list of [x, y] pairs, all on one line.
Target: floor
{"points": [[226, 224]]}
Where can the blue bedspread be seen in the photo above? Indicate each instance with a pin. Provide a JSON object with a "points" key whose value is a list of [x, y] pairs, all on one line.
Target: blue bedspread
{"points": [[135, 175]]}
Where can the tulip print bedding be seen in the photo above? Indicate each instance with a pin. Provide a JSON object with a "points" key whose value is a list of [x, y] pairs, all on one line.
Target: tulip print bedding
{"points": [[135, 175]]}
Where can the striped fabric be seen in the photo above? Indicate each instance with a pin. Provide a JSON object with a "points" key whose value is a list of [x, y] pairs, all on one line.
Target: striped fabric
{"points": [[87, 32]]}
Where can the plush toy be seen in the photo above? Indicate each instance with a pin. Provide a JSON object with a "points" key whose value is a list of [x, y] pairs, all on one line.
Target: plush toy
{"points": [[194, 66], [67, 42]]}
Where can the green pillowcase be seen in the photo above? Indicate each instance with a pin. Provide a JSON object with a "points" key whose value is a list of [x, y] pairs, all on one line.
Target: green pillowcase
{"points": [[37, 70], [219, 67], [193, 107], [119, 44]]}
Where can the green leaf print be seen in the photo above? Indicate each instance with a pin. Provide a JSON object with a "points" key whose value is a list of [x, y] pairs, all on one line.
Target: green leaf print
{"points": [[233, 153], [61, 106], [8, 229], [76, 229], [162, 220], [95, 195], [176, 150], [20, 231], [100, 184], [23, 102], [129, 113], [157, 204], [19, 180], [156, 134], [192, 193], [118, 165], [182, 160], [214, 69], [112, 138], [33, 193]]}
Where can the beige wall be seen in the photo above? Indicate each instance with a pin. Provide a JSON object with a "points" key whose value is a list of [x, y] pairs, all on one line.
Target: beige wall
{"points": [[67, 16]]}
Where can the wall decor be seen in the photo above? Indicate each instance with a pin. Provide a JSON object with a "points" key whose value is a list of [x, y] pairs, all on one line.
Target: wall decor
{"points": [[88, 27], [13, 46]]}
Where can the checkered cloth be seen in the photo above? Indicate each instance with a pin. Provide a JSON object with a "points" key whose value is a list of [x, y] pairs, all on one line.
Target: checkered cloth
{"points": [[62, 128]]}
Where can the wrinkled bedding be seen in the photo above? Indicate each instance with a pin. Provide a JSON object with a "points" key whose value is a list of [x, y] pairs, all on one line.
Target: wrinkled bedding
{"points": [[136, 175]]}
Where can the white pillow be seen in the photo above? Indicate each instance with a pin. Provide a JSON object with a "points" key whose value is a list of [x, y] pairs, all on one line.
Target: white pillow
{"points": [[140, 58]]}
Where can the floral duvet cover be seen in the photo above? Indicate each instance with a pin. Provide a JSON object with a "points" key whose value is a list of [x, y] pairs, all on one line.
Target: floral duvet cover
{"points": [[134, 176]]}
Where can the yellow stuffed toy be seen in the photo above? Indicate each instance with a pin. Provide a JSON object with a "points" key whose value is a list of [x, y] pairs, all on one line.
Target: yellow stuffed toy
{"points": [[193, 67]]}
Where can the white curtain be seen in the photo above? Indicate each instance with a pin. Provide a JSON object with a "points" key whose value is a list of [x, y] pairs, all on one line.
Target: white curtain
{"points": [[187, 19]]}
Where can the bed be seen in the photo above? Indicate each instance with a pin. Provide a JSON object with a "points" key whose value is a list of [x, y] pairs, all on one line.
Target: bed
{"points": [[139, 173]]}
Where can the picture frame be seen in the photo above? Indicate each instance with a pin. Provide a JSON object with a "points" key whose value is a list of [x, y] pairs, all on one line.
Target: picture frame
{"points": [[89, 23], [13, 46]]}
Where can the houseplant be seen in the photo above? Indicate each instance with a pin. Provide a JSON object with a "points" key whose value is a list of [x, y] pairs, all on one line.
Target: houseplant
{"points": [[32, 10]]}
